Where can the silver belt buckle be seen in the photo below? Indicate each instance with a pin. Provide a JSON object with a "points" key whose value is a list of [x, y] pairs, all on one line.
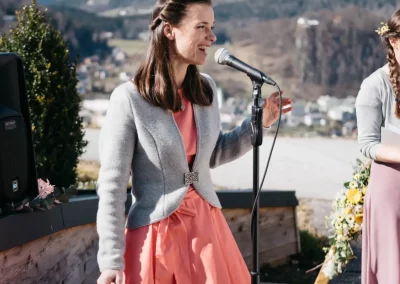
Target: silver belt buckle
{"points": [[191, 177]]}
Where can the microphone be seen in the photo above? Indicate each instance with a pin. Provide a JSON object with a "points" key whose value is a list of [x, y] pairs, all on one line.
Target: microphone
{"points": [[223, 57]]}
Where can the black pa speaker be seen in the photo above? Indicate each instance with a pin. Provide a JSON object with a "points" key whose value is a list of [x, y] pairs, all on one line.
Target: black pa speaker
{"points": [[17, 162]]}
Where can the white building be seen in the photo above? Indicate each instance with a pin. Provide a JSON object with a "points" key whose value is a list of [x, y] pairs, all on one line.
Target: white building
{"points": [[327, 102], [313, 119], [306, 22], [296, 116]]}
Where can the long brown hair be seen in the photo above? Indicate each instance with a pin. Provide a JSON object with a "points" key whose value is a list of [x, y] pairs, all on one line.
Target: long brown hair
{"points": [[155, 78], [393, 32]]}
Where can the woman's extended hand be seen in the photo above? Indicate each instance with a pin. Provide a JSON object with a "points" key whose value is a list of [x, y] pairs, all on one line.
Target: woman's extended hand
{"points": [[271, 108]]}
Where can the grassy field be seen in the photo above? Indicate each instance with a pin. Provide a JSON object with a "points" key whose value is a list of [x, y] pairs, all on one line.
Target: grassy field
{"points": [[139, 47], [131, 47]]}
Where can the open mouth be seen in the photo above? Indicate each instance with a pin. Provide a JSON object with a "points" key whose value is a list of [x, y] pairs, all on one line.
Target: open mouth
{"points": [[203, 48]]}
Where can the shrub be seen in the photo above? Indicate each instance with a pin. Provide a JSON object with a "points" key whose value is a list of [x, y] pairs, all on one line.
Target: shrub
{"points": [[52, 94]]}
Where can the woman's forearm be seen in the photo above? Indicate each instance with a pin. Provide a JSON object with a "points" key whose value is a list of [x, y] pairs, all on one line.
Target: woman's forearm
{"points": [[388, 154]]}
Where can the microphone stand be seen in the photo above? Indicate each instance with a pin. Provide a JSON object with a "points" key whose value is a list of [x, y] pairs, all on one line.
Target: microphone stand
{"points": [[256, 141]]}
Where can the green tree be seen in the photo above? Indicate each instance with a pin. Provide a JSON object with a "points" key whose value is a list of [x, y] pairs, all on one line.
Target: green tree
{"points": [[54, 102]]}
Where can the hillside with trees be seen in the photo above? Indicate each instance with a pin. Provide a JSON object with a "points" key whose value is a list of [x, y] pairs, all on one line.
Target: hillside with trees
{"points": [[242, 9], [79, 28], [310, 47]]}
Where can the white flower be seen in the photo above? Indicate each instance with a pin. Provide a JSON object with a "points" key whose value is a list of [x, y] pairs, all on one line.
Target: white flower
{"points": [[331, 252], [350, 219], [346, 229], [358, 209], [353, 184], [341, 195], [341, 203], [329, 269], [339, 268], [357, 227]]}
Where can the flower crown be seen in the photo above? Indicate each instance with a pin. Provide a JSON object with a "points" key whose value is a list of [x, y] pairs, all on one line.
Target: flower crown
{"points": [[383, 30]]}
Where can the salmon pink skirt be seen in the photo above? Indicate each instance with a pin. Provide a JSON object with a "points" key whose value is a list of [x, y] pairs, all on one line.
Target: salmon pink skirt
{"points": [[194, 245]]}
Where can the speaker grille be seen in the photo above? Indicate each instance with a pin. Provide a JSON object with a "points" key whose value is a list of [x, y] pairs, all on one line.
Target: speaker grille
{"points": [[13, 153]]}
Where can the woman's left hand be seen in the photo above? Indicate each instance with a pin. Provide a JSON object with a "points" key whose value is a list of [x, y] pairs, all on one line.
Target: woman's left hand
{"points": [[271, 108]]}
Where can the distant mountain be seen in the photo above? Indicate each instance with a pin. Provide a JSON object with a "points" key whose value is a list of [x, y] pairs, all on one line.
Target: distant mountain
{"points": [[325, 52], [241, 9], [97, 5], [330, 57], [80, 29], [270, 9]]}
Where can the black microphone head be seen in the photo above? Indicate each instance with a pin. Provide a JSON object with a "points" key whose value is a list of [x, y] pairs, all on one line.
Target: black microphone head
{"points": [[221, 55]]}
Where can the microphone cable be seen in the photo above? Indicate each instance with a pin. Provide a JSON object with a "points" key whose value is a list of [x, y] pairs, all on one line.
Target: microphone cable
{"points": [[269, 159]]}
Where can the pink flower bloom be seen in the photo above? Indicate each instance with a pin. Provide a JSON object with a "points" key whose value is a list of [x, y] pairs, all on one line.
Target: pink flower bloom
{"points": [[45, 188]]}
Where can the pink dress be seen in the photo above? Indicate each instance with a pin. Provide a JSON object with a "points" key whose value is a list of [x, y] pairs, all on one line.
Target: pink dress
{"points": [[381, 227], [194, 245]]}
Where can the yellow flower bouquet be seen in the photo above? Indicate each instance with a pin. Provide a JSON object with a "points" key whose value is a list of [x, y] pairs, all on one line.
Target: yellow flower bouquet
{"points": [[345, 221]]}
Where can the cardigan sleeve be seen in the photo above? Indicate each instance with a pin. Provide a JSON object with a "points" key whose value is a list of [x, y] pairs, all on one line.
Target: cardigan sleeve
{"points": [[369, 117], [233, 144], [116, 146]]}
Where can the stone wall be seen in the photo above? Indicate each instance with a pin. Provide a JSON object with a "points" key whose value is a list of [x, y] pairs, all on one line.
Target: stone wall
{"points": [[60, 245], [68, 256]]}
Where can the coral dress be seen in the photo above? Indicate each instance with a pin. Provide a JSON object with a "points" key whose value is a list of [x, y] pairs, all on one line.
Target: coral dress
{"points": [[194, 245]]}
